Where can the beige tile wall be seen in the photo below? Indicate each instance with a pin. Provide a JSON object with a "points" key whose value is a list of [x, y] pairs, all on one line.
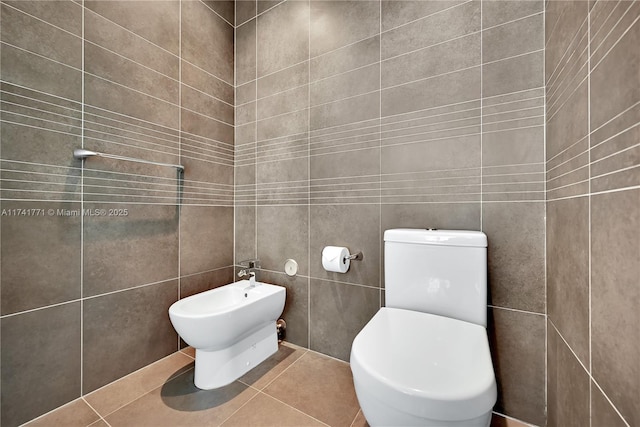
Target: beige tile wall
{"points": [[353, 117], [593, 212], [84, 300]]}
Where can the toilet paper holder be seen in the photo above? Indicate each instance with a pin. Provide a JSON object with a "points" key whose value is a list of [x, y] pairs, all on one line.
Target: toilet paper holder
{"points": [[355, 257]]}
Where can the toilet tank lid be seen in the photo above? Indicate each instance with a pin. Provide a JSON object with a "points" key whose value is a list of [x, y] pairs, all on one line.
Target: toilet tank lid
{"points": [[437, 237]]}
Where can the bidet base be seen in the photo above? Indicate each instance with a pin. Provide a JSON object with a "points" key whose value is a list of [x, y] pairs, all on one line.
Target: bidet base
{"points": [[218, 368]]}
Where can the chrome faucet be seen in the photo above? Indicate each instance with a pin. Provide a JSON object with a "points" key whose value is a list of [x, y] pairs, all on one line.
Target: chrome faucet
{"points": [[250, 267]]}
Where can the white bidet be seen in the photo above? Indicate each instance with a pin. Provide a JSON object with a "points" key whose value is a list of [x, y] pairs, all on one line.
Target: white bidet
{"points": [[232, 328]]}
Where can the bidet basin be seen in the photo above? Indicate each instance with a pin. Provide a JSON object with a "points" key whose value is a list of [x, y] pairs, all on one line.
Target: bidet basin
{"points": [[232, 328]]}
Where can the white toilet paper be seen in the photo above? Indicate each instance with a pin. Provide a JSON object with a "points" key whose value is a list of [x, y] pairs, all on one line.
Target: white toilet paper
{"points": [[335, 258]]}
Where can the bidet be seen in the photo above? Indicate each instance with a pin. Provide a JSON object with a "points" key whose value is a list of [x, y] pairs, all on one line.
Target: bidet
{"points": [[232, 328]]}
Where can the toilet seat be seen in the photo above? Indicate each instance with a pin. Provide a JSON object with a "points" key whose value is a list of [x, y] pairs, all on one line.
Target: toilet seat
{"points": [[425, 365]]}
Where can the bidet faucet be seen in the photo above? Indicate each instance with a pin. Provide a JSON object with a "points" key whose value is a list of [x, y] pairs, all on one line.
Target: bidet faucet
{"points": [[251, 266], [252, 278]]}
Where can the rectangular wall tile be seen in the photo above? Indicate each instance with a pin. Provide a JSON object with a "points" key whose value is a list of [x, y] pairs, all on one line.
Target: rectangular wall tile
{"points": [[615, 268], [40, 254], [147, 234], [22, 30], [518, 352], [335, 24], [567, 384], [337, 313], [142, 313], [568, 271], [358, 229], [281, 46], [516, 254], [513, 74], [296, 307], [206, 240], [432, 29], [160, 25], [36, 345], [283, 234]]}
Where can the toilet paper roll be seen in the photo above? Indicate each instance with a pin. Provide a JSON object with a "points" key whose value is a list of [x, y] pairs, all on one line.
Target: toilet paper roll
{"points": [[335, 258]]}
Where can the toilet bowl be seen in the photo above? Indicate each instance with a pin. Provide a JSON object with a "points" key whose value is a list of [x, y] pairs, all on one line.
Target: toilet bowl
{"points": [[419, 369], [424, 359]]}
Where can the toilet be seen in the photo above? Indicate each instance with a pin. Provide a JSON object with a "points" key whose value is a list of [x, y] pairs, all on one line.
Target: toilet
{"points": [[424, 359]]}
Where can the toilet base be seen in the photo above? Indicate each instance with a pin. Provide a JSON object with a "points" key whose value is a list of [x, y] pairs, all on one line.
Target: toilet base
{"points": [[217, 368], [380, 414]]}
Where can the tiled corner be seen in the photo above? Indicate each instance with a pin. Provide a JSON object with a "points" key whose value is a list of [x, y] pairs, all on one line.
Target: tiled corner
{"points": [[205, 31]]}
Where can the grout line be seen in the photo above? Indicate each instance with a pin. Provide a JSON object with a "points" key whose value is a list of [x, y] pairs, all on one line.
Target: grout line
{"points": [[221, 424], [82, 197], [482, 116], [40, 56], [514, 419], [570, 348], [622, 418], [293, 407], [620, 38], [180, 156], [589, 248], [137, 371], [94, 410], [515, 309], [309, 324], [380, 231], [219, 16], [304, 352], [422, 17]]}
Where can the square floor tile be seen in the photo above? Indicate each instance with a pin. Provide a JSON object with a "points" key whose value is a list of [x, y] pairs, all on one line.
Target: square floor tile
{"points": [[319, 386], [265, 411]]}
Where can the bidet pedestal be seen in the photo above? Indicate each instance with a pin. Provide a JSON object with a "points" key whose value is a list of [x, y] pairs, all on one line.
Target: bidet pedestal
{"points": [[217, 368]]}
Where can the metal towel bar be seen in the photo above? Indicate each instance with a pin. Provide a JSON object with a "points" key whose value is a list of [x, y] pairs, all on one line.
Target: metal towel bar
{"points": [[82, 154]]}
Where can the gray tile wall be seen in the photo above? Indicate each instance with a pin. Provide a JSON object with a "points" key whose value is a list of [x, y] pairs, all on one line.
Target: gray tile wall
{"points": [[84, 299], [353, 117], [592, 75]]}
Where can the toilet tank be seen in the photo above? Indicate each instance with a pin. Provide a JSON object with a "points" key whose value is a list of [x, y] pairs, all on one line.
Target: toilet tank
{"points": [[442, 272]]}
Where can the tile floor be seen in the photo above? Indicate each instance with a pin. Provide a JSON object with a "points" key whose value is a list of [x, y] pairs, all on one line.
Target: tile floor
{"points": [[295, 387]]}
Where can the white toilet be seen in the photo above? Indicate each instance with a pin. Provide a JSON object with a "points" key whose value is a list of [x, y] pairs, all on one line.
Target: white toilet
{"points": [[424, 360]]}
